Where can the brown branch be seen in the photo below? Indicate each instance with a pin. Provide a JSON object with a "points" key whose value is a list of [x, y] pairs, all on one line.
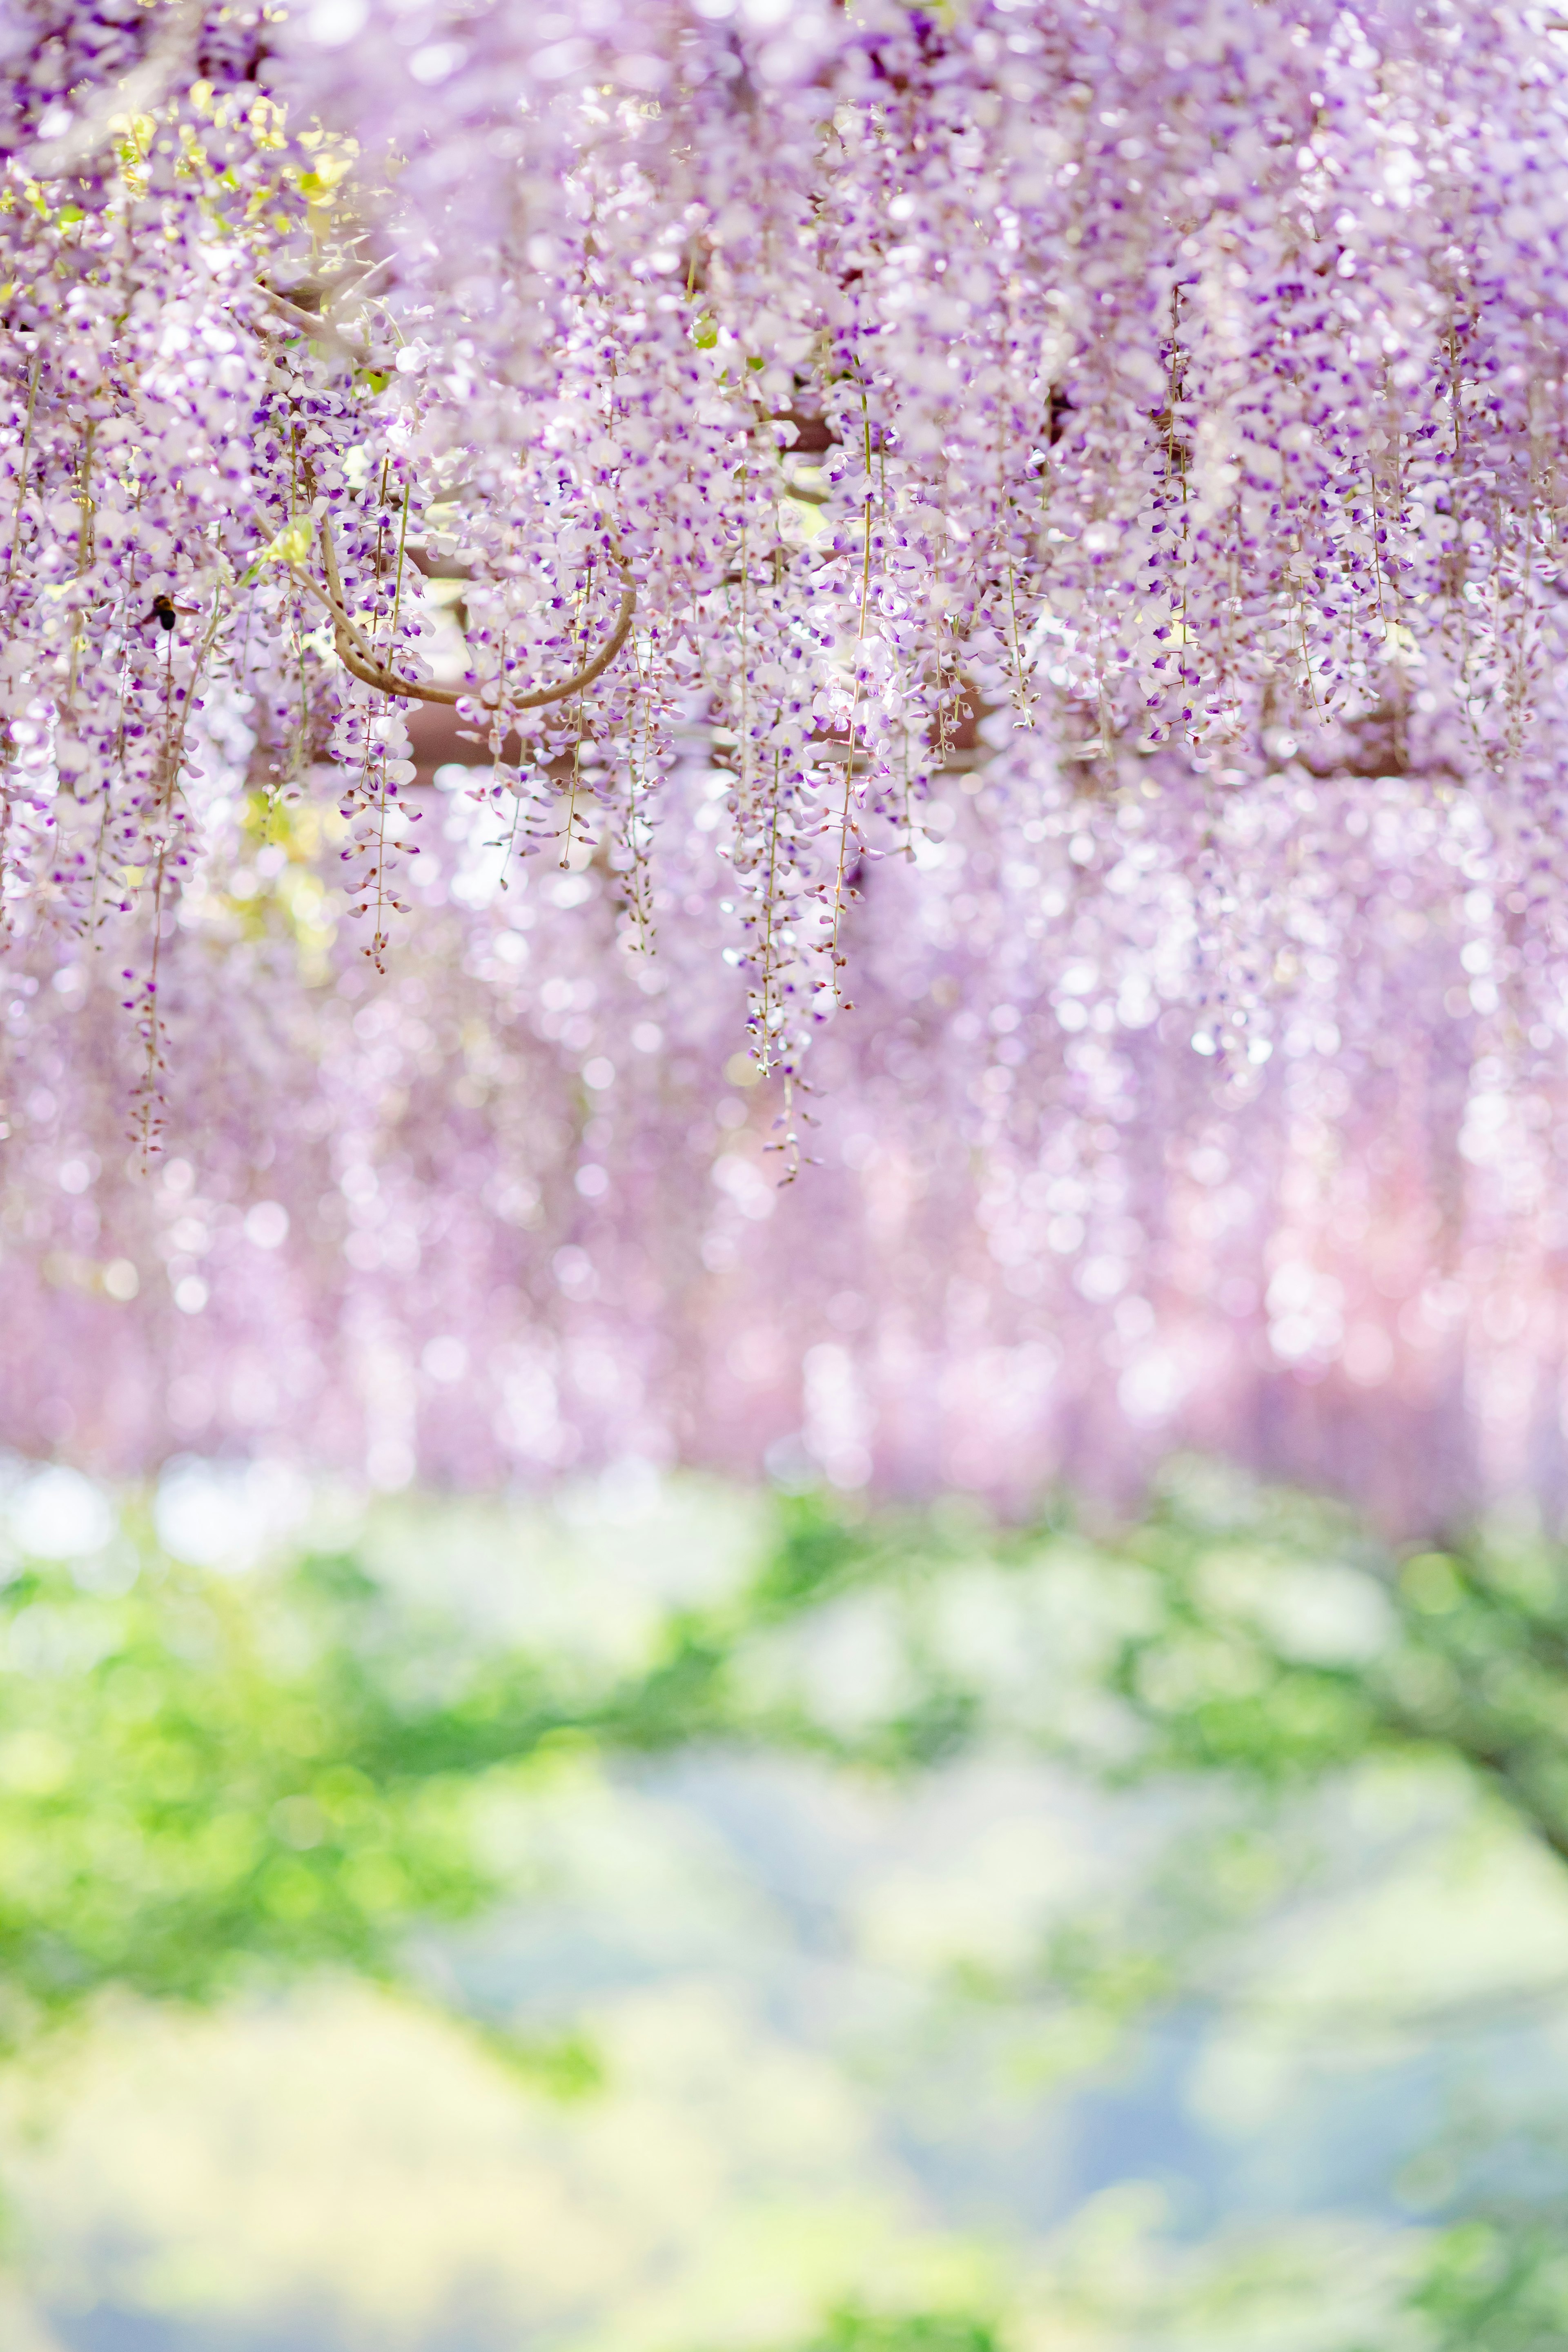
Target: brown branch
{"points": [[318, 328], [359, 659]]}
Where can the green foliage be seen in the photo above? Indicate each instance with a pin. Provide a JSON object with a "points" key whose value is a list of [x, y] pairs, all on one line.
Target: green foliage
{"points": [[190, 1794], [205, 1776], [1266, 1644], [565, 2066], [1498, 2282], [1234, 1630], [853, 2329], [1284, 1643], [206, 1781]]}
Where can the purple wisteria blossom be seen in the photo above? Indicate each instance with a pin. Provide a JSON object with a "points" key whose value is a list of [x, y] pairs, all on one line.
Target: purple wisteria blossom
{"points": [[608, 606]]}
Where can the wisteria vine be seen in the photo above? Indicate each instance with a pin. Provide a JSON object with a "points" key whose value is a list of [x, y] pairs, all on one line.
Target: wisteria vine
{"points": [[1118, 446]]}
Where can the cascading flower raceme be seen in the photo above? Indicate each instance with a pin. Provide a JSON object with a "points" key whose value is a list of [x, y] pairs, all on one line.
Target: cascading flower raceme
{"points": [[1000, 564]]}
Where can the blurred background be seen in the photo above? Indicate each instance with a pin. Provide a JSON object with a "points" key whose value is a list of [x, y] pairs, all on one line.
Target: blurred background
{"points": [[670, 1918], [602, 1750]]}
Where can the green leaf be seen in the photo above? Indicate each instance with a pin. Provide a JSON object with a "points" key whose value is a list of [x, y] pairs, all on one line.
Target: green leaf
{"points": [[292, 544]]}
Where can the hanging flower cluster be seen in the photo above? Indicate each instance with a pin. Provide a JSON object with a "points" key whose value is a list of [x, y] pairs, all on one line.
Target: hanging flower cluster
{"points": [[1042, 522], [512, 1212]]}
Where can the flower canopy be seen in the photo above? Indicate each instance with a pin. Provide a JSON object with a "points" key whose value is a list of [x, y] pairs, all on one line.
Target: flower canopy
{"points": [[605, 604]]}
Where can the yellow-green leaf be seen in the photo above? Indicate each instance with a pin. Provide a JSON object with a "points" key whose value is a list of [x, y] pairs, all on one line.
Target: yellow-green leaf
{"points": [[292, 544]]}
